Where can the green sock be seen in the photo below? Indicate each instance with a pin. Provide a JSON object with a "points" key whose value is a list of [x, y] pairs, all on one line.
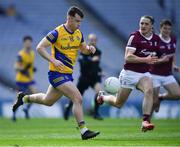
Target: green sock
{"points": [[26, 99]]}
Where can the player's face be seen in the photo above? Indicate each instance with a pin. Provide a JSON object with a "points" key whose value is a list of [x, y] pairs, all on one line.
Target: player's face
{"points": [[145, 26], [92, 39], [75, 22], [27, 44], [166, 30]]}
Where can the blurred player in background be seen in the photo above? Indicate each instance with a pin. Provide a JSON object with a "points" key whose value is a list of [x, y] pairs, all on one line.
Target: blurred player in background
{"points": [[25, 69], [140, 48], [65, 41], [162, 70], [91, 74]]}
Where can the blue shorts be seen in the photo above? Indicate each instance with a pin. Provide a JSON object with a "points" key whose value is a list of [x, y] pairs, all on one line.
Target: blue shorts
{"points": [[57, 78], [24, 87]]}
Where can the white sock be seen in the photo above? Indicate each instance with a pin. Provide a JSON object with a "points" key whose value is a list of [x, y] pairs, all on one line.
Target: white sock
{"points": [[83, 130]]}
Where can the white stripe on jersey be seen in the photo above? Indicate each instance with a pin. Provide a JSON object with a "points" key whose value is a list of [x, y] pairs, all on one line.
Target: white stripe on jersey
{"points": [[130, 48], [130, 40]]}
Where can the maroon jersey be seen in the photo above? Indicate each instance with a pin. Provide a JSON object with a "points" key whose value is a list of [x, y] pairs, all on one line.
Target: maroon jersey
{"points": [[166, 48], [143, 47]]}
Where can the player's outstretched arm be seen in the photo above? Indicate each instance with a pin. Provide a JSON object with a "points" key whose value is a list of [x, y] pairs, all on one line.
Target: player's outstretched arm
{"points": [[41, 48], [87, 49], [131, 58]]}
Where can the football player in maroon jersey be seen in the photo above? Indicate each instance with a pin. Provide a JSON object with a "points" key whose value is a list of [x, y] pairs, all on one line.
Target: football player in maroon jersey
{"points": [[162, 71], [139, 55]]}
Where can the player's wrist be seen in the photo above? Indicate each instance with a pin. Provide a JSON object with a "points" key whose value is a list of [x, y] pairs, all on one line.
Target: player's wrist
{"points": [[52, 60], [144, 60]]}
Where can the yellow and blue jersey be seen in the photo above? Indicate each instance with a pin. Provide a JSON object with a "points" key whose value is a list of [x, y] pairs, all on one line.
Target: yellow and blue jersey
{"points": [[64, 47], [26, 60]]}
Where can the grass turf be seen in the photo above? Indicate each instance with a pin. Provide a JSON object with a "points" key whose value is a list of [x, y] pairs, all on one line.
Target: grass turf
{"points": [[114, 132]]}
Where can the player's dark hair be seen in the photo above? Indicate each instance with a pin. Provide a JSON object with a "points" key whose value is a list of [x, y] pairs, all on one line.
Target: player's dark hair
{"points": [[149, 17], [27, 38], [75, 10], [165, 22]]}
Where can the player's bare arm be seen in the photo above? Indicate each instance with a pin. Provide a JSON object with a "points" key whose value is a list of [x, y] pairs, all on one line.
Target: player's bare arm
{"points": [[87, 49], [162, 59], [18, 66], [41, 48], [175, 67], [131, 58], [23, 69]]}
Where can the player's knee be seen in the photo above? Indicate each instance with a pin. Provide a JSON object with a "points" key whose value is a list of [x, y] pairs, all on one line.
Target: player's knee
{"points": [[77, 99], [148, 91], [119, 105], [48, 103]]}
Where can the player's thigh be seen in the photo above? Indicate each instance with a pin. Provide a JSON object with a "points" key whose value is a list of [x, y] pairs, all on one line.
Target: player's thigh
{"points": [[145, 84], [173, 89], [97, 87], [52, 95], [123, 95], [71, 91]]}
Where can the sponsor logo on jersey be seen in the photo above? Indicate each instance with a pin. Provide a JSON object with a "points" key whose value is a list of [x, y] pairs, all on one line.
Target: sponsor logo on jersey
{"points": [[71, 38]]}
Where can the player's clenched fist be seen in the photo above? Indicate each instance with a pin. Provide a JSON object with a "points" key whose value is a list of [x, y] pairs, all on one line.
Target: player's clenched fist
{"points": [[151, 59], [91, 49]]}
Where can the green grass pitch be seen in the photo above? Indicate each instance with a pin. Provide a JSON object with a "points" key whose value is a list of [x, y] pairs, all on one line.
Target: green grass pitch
{"points": [[114, 132]]}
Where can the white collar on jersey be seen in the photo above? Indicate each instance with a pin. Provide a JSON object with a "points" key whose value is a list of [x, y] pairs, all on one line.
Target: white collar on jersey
{"points": [[165, 40], [148, 38]]}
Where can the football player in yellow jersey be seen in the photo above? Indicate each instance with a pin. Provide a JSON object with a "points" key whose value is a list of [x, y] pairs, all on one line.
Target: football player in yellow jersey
{"points": [[65, 41], [25, 69]]}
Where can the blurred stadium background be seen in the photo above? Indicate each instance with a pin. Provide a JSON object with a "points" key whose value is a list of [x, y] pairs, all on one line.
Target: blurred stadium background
{"points": [[111, 20]]}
